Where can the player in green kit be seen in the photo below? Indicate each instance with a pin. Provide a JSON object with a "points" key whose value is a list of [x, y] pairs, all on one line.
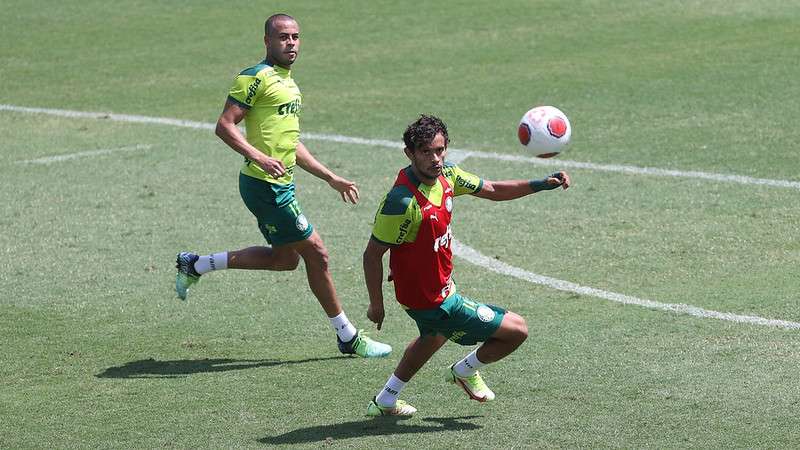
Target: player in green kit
{"points": [[266, 97]]}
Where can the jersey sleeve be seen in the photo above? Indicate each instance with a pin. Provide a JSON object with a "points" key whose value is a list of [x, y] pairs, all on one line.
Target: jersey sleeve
{"points": [[396, 220], [246, 90], [463, 182]]}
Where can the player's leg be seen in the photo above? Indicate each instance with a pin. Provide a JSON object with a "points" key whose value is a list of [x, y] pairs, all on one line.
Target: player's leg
{"points": [[191, 266], [512, 333], [250, 258], [278, 225], [315, 257], [284, 225], [277, 258], [501, 331], [417, 353]]}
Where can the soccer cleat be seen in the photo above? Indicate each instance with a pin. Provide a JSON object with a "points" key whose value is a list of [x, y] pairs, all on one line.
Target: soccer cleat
{"points": [[186, 276], [473, 386], [364, 347], [400, 408]]}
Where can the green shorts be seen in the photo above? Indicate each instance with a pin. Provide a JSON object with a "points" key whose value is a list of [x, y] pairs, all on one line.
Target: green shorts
{"points": [[460, 319], [278, 214]]}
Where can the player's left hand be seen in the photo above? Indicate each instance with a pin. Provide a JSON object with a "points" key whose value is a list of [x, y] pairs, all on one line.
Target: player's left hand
{"points": [[346, 188], [559, 178]]}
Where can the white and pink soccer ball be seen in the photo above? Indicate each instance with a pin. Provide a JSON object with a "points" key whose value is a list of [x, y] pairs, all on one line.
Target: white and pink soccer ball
{"points": [[544, 130]]}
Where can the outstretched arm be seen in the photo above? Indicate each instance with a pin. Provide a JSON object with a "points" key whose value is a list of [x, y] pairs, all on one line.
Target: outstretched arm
{"points": [[227, 130], [346, 188], [511, 189], [373, 275]]}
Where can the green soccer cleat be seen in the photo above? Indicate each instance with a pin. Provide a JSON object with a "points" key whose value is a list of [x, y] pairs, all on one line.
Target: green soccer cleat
{"points": [[186, 276], [364, 347], [400, 408], [474, 386]]}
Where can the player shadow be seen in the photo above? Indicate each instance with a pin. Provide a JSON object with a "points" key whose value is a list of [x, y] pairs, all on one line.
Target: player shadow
{"points": [[151, 368], [378, 426]]}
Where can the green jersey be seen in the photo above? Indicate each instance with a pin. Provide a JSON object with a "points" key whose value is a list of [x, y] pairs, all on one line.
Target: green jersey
{"points": [[399, 216], [273, 101]]}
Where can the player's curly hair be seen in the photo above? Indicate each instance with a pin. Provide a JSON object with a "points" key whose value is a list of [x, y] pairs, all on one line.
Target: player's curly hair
{"points": [[423, 131]]}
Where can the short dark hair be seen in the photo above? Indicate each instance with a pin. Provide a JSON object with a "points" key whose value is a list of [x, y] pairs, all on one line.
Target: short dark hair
{"points": [[269, 24], [423, 131]]}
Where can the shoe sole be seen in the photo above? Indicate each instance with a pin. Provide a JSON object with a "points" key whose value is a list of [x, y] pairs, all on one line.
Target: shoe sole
{"points": [[177, 282], [385, 414], [178, 290], [455, 380], [353, 352]]}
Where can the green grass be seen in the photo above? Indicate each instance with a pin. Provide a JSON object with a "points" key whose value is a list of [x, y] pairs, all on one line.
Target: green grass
{"points": [[98, 352]]}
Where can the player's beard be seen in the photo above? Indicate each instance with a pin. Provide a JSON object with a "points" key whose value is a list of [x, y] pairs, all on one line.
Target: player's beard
{"points": [[424, 168], [286, 61], [433, 172]]}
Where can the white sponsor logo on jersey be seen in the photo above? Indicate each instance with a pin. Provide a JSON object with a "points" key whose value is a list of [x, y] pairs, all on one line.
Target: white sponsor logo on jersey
{"points": [[443, 241]]}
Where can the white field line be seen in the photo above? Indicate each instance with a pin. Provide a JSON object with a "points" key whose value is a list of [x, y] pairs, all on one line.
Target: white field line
{"points": [[108, 116], [469, 253], [88, 153], [636, 170], [456, 156], [475, 257], [560, 163]]}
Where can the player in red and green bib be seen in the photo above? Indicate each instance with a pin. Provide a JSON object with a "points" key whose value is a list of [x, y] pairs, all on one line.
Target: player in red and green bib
{"points": [[413, 224]]}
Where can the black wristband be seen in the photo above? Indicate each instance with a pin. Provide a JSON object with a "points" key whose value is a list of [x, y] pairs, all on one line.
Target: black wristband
{"points": [[542, 185]]}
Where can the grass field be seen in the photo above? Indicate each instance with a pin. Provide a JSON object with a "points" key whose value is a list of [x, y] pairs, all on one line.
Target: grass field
{"points": [[97, 352]]}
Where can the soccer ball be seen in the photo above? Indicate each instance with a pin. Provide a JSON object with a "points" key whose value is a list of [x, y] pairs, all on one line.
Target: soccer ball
{"points": [[545, 130]]}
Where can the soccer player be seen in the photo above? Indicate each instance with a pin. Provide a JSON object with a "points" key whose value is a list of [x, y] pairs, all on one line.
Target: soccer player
{"points": [[266, 97], [413, 224]]}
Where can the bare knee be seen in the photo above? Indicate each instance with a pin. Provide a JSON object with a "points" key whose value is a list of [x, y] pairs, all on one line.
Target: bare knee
{"points": [[517, 328]]}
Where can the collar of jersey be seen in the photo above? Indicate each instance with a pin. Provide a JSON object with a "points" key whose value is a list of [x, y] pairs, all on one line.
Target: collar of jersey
{"points": [[412, 177], [277, 69], [423, 188]]}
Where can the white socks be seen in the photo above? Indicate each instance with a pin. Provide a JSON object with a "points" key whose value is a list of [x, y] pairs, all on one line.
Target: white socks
{"points": [[207, 263], [469, 365], [387, 398], [344, 329]]}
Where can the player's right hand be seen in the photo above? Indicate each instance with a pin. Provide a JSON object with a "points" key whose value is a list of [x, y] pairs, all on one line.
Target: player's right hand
{"points": [[375, 313], [271, 166], [559, 179]]}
